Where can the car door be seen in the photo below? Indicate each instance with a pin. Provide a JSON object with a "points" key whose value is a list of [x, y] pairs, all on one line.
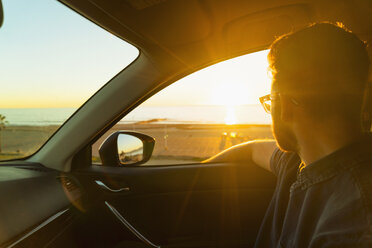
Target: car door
{"points": [[184, 205]]}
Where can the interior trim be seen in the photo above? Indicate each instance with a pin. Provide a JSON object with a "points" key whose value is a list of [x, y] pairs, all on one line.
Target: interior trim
{"points": [[46, 222], [130, 227]]}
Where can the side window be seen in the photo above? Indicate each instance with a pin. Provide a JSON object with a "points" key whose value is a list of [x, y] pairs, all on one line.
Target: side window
{"points": [[203, 113]]}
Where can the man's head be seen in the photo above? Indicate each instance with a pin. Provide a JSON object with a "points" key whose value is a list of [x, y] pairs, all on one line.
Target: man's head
{"points": [[324, 69]]}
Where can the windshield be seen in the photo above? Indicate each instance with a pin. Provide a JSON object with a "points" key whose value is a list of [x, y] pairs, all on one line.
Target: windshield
{"points": [[52, 61]]}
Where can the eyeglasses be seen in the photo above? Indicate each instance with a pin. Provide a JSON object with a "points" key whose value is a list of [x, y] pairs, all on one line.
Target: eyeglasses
{"points": [[266, 101]]}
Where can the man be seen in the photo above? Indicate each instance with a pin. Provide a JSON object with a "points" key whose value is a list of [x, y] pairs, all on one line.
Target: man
{"points": [[323, 196]]}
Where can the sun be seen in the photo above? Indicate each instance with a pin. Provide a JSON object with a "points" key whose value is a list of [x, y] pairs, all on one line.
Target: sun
{"points": [[241, 80]]}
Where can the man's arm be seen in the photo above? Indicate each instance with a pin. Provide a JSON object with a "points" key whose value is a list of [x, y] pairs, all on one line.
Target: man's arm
{"points": [[258, 151]]}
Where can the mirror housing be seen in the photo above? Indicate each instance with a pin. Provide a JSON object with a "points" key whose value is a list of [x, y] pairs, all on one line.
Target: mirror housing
{"points": [[112, 151], [1, 13]]}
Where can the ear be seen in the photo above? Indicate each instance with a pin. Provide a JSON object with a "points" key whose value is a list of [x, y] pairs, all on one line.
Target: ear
{"points": [[287, 108]]}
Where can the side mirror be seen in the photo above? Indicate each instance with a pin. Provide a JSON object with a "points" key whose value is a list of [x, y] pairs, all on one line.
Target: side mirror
{"points": [[126, 148]]}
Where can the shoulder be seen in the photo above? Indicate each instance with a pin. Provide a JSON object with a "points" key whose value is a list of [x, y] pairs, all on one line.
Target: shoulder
{"points": [[346, 217], [362, 175], [283, 161]]}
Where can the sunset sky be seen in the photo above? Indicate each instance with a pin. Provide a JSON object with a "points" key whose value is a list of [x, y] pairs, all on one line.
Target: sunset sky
{"points": [[51, 51], [52, 57], [233, 82]]}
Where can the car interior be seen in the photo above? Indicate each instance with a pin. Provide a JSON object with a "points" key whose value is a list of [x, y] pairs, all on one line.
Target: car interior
{"points": [[58, 197]]}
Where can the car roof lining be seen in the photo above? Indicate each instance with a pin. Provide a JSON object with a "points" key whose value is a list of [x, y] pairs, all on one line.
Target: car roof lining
{"points": [[218, 28]]}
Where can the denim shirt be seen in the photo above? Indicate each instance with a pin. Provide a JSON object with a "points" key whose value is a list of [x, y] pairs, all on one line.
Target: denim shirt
{"points": [[326, 204]]}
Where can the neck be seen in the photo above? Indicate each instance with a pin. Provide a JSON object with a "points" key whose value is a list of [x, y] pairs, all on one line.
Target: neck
{"points": [[324, 140]]}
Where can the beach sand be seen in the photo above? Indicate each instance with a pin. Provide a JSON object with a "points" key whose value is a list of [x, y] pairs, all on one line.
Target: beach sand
{"points": [[174, 143], [21, 141], [187, 143]]}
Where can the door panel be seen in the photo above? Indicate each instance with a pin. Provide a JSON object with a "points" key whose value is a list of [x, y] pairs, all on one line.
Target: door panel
{"points": [[186, 205], [31, 198]]}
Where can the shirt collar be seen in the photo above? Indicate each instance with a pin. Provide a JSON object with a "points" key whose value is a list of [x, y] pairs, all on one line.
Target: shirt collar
{"points": [[334, 163]]}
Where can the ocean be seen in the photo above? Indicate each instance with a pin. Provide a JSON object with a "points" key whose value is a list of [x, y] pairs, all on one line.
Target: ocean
{"points": [[245, 114]]}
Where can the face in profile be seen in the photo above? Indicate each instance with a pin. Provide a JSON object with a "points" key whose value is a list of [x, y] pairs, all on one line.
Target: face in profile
{"points": [[283, 133]]}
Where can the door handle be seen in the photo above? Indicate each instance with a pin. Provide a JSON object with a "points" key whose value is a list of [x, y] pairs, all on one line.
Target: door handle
{"points": [[105, 187]]}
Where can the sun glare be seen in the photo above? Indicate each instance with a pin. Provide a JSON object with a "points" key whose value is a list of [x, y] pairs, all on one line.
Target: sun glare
{"points": [[232, 94], [241, 80], [230, 118]]}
